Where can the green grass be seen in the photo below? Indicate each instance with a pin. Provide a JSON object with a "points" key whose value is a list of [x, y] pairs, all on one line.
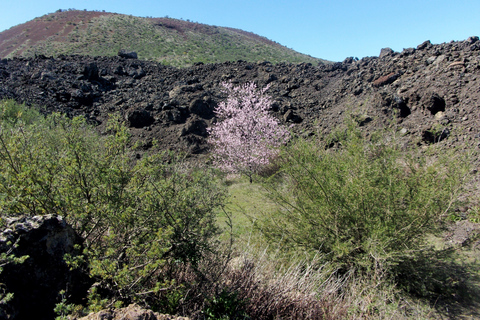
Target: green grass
{"points": [[246, 202]]}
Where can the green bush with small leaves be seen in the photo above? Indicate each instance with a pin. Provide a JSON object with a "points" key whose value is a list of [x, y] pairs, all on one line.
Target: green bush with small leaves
{"points": [[135, 215], [7, 258], [225, 306], [363, 203]]}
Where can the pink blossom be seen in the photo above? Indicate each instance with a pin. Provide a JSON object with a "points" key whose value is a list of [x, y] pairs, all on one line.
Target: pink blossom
{"points": [[246, 137]]}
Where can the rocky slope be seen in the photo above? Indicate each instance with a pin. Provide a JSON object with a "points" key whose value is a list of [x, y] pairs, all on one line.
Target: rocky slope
{"points": [[434, 89]]}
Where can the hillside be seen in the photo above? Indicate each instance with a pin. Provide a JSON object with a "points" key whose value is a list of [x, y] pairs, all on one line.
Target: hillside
{"points": [[169, 41]]}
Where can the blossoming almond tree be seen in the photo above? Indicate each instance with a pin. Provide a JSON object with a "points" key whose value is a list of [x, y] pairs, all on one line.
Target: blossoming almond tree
{"points": [[246, 137]]}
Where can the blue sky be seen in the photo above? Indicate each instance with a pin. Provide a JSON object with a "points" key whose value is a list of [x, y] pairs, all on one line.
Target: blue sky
{"points": [[330, 30]]}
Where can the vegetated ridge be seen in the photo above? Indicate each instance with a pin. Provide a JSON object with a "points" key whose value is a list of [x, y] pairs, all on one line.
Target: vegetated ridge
{"points": [[169, 41]]}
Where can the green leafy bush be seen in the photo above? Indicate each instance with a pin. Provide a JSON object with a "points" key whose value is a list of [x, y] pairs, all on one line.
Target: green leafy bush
{"points": [[226, 305], [135, 216], [362, 203], [12, 112]]}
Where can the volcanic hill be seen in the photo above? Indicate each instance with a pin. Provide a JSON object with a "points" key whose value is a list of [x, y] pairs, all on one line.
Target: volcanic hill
{"points": [[169, 41]]}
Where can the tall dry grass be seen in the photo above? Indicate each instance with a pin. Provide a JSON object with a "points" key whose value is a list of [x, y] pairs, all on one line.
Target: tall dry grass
{"points": [[255, 284]]}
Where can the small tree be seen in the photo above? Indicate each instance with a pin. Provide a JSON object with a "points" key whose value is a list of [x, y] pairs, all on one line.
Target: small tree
{"points": [[246, 137]]}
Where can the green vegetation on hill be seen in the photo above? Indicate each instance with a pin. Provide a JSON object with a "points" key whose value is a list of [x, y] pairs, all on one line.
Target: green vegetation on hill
{"points": [[169, 41]]}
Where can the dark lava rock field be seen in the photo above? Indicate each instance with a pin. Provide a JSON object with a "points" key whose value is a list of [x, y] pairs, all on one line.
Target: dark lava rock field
{"points": [[433, 89]]}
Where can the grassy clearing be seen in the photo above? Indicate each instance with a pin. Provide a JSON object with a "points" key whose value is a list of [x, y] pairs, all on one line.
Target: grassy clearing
{"points": [[246, 202]]}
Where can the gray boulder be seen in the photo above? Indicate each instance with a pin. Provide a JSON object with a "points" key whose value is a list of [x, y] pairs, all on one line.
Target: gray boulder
{"points": [[37, 281]]}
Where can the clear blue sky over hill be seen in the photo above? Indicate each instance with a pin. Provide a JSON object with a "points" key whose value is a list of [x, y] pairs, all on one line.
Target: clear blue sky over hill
{"points": [[332, 30]]}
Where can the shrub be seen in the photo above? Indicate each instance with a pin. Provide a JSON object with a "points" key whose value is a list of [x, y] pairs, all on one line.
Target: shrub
{"points": [[364, 203], [12, 112], [135, 217]]}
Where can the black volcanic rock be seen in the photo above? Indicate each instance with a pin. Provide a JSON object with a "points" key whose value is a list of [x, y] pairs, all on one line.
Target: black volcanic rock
{"points": [[127, 54], [385, 52], [434, 103], [174, 106], [139, 118], [90, 72], [37, 281]]}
